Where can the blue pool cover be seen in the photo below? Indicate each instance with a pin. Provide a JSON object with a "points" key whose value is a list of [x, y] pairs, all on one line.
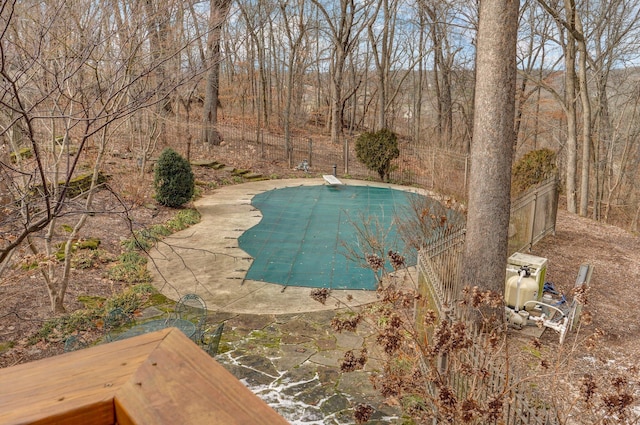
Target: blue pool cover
{"points": [[302, 237]]}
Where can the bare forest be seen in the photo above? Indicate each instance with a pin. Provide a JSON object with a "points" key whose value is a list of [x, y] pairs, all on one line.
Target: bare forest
{"points": [[92, 91]]}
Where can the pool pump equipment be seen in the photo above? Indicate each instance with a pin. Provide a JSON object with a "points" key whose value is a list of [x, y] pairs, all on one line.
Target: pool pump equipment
{"points": [[528, 301]]}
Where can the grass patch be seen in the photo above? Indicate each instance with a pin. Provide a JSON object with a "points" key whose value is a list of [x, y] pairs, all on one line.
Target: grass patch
{"points": [[90, 244], [4, 346], [183, 220], [159, 299], [91, 318], [131, 268], [91, 302]]}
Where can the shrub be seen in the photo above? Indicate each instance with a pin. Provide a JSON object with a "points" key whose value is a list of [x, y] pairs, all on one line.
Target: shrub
{"points": [[533, 168], [173, 179], [377, 150]]}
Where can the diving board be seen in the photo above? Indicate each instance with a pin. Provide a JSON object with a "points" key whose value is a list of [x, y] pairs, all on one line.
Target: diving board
{"points": [[331, 179]]}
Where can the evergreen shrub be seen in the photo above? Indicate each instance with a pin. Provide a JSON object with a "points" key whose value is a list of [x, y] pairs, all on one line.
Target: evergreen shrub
{"points": [[173, 180], [376, 150], [533, 168]]}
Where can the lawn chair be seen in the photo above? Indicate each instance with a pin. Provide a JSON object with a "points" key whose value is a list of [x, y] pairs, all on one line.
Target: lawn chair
{"points": [[74, 342], [193, 308], [115, 320], [210, 342], [303, 166]]}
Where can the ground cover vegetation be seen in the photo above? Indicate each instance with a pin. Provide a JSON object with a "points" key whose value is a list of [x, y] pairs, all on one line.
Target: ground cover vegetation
{"points": [[91, 95]]}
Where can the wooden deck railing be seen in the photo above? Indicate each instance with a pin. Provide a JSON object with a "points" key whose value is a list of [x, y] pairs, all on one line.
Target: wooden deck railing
{"points": [[156, 378]]}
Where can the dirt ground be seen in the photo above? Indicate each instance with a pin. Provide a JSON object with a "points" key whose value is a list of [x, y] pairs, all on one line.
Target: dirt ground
{"points": [[614, 253], [614, 290]]}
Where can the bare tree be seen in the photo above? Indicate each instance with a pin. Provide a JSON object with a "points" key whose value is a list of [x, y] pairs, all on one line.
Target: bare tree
{"points": [[345, 20], [295, 29], [254, 18], [586, 115], [442, 69], [382, 54], [613, 31], [68, 87], [534, 36], [567, 38]]}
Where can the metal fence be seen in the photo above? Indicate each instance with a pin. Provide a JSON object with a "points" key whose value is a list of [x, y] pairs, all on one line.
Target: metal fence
{"points": [[431, 168], [533, 215], [439, 271], [439, 266]]}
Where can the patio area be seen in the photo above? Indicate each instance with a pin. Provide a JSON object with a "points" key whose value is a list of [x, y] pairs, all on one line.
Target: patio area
{"points": [[206, 258]]}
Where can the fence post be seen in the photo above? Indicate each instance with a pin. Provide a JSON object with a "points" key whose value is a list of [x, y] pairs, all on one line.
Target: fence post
{"points": [[310, 156], [466, 171], [534, 218], [433, 169], [346, 155], [554, 201]]}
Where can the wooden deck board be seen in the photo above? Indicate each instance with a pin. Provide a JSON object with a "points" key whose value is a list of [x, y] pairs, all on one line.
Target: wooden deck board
{"points": [[203, 391], [160, 377], [70, 381]]}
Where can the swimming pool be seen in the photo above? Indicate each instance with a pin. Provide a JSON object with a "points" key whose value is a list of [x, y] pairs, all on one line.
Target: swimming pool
{"points": [[304, 233]]}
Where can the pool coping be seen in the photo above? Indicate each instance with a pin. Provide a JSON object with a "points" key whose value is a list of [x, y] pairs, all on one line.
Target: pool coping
{"points": [[206, 258]]}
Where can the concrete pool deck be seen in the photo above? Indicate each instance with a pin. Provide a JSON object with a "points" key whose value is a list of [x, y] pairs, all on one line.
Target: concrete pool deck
{"points": [[206, 259]]}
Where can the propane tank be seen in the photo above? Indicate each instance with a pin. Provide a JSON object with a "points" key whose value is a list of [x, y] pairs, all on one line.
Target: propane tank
{"points": [[520, 289]]}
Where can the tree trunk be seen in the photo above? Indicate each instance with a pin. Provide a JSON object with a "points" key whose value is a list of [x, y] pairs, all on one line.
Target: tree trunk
{"points": [[295, 32], [217, 15], [381, 55], [418, 84], [586, 120], [158, 39], [570, 103], [486, 244], [336, 106], [343, 33]]}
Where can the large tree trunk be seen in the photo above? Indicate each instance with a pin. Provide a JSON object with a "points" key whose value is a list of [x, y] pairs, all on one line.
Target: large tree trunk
{"points": [[217, 16], [486, 244], [158, 40], [210, 133]]}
